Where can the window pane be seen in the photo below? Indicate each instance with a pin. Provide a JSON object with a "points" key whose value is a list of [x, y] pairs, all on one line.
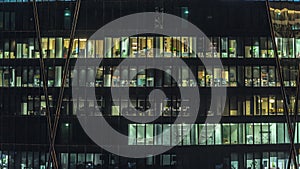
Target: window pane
{"points": [[248, 76], [249, 133], [226, 133], [280, 133], [149, 134], [140, 134], [224, 47], [132, 134], [232, 47], [234, 133]]}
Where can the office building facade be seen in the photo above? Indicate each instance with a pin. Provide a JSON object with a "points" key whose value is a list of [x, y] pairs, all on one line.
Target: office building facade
{"points": [[252, 133]]}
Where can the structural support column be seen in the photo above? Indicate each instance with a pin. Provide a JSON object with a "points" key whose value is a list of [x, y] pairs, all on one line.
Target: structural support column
{"points": [[52, 130], [283, 91]]}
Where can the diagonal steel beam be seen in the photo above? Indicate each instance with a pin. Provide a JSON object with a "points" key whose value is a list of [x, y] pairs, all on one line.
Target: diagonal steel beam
{"points": [[45, 89], [282, 88], [65, 73], [295, 112]]}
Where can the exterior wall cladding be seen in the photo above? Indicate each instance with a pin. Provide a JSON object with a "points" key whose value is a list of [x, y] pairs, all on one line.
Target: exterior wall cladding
{"points": [[252, 133]]}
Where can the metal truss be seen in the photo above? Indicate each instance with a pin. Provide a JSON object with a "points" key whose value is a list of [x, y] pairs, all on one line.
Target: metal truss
{"points": [[291, 123], [52, 130]]}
